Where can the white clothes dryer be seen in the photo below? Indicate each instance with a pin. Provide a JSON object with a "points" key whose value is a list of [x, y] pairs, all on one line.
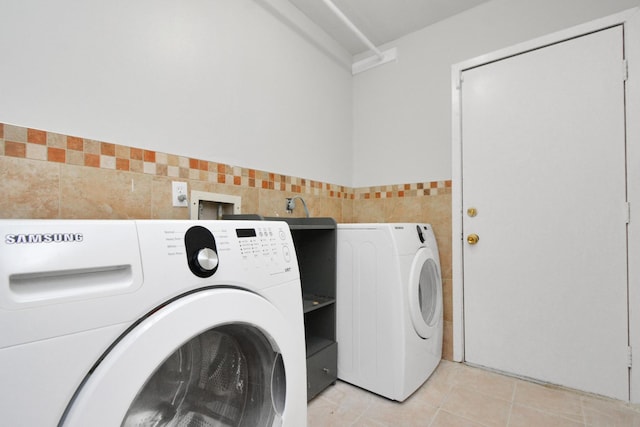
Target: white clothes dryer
{"points": [[389, 307], [150, 323]]}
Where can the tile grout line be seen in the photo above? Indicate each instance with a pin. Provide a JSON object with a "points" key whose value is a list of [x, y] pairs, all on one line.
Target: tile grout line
{"points": [[513, 399], [564, 416], [584, 418], [464, 417], [435, 416], [59, 190], [442, 401], [364, 411]]}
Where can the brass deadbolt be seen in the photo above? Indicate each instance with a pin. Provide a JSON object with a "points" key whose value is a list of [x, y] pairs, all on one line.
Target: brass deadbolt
{"points": [[472, 212], [472, 239]]}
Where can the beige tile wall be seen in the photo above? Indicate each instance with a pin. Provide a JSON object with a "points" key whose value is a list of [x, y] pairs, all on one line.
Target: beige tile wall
{"points": [[48, 175]]}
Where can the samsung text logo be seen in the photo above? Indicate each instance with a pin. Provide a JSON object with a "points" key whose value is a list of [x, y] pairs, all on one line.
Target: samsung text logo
{"points": [[16, 239]]}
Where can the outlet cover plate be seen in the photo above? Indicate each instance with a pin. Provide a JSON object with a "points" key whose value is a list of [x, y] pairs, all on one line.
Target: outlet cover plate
{"points": [[179, 194]]}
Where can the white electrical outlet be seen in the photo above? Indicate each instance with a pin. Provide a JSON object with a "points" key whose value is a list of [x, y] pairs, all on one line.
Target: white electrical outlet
{"points": [[179, 194]]}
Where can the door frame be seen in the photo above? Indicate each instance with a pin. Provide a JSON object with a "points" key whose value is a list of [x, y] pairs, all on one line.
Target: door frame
{"points": [[630, 19]]}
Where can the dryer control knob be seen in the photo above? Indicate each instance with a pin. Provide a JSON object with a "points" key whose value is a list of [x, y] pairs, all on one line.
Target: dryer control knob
{"points": [[207, 259]]}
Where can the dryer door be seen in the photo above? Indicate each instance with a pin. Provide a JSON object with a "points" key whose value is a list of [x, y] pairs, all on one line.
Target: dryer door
{"points": [[425, 293], [220, 357]]}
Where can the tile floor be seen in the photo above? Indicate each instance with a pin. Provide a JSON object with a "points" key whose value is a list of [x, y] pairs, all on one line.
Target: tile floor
{"points": [[463, 396]]}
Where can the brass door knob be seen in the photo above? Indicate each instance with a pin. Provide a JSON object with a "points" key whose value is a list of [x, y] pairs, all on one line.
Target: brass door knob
{"points": [[472, 239]]}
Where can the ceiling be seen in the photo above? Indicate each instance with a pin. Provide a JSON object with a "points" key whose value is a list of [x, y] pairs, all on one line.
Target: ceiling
{"points": [[381, 21]]}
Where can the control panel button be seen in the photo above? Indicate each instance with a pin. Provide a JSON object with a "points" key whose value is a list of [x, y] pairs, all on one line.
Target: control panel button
{"points": [[207, 259], [286, 253], [201, 249]]}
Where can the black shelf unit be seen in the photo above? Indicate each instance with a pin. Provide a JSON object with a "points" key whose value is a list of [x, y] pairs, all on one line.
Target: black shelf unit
{"points": [[315, 241]]}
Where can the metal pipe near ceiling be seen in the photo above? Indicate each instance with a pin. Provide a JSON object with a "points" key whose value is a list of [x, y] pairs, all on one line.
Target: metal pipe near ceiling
{"points": [[365, 64], [353, 28]]}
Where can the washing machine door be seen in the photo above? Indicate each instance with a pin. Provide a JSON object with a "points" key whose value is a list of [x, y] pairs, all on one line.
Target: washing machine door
{"points": [[425, 293], [221, 357]]}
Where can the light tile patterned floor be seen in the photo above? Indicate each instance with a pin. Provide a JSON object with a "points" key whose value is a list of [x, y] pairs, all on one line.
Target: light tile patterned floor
{"points": [[457, 395]]}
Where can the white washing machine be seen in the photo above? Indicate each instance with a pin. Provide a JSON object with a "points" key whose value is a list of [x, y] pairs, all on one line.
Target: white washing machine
{"points": [[150, 323], [389, 307]]}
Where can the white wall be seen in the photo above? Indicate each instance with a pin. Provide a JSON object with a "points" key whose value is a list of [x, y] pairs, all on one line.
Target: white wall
{"points": [[232, 81], [402, 111], [253, 83]]}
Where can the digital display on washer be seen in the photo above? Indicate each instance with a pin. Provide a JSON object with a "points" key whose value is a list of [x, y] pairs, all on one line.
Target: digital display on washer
{"points": [[245, 232]]}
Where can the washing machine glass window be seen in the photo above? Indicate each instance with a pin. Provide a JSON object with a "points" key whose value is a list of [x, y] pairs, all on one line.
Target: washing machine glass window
{"points": [[226, 376], [428, 291], [425, 293]]}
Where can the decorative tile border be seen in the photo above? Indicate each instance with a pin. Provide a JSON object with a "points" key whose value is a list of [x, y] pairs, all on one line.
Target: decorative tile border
{"points": [[404, 190], [34, 144]]}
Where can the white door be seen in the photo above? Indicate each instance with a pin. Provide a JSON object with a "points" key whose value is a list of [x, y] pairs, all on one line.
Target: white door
{"points": [[543, 165]]}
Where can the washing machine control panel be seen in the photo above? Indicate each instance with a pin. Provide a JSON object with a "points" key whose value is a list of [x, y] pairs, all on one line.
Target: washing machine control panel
{"points": [[253, 245], [264, 244], [201, 249], [420, 235]]}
